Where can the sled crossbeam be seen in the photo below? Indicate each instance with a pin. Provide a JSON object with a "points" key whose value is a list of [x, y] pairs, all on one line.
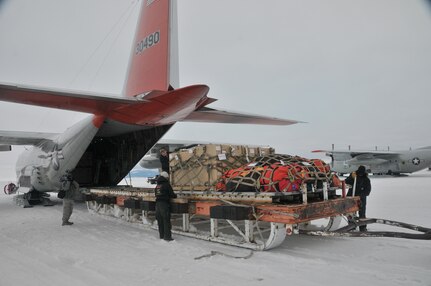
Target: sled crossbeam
{"points": [[293, 214]]}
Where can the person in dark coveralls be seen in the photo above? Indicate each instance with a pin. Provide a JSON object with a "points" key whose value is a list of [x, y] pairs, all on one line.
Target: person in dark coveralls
{"points": [[164, 160], [363, 189], [164, 193], [70, 187]]}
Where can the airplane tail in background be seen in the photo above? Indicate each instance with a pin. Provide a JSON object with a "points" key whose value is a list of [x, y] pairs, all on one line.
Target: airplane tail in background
{"points": [[153, 63]]}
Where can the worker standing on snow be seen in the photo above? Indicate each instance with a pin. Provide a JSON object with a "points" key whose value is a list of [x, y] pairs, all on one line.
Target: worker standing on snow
{"points": [[69, 190], [361, 188], [164, 193]]}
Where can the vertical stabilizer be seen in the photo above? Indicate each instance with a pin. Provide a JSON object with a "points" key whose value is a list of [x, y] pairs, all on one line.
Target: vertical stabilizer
{"points": [[150, 60]]}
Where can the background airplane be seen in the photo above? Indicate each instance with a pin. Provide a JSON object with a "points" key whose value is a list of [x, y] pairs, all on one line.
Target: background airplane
{"points": [[380, 162], [102, 148]]}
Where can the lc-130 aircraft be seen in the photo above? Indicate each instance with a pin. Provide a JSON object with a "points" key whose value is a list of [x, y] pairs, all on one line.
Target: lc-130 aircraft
{"points": [[101, 149], [380, 162]]}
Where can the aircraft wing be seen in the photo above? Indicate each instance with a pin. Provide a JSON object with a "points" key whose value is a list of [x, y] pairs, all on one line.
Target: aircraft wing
{"points": [[359, 155], [23, 138], [220, 116], [424, 148]]}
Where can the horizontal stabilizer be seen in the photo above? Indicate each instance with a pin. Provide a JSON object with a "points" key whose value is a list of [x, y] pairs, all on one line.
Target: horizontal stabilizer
{"points": [[61, 99], [154, 108], [24, 138], [219, 116]]}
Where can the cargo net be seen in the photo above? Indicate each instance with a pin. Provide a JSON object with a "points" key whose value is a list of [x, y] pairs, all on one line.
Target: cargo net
{"points": [[277, 173], [203, 169]]}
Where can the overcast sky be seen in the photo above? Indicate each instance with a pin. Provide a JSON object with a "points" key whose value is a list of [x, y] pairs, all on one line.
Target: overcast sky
{"points": [[358, 72]]}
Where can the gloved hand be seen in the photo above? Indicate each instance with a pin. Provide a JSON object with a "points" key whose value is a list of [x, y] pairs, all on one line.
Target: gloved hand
{"points": [[354, 175]]}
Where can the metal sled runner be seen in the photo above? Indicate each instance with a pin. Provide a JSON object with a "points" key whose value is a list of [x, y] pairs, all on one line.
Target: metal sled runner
{"points": [[258, 221]]}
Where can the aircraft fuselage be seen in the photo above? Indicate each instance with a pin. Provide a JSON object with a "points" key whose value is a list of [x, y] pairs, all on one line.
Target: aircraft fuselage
{"points": [[405, 162], [42, 166]]}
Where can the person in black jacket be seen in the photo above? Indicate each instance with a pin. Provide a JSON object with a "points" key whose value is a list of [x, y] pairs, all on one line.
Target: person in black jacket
{"points": [[362, 190], [164, 160], [164, 193]]}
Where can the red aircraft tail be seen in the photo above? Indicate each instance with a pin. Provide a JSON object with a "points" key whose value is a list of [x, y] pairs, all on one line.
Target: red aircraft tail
{"points": [[151, 57], [148, 95]]}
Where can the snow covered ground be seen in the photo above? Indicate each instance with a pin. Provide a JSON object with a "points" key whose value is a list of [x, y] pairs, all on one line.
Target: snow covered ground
{"points": [[36, 250]]}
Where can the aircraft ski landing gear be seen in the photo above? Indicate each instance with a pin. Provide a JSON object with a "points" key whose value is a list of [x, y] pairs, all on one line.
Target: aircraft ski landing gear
{"points": [[251, 234], [244, 233], [324, 224], [32, 198]]}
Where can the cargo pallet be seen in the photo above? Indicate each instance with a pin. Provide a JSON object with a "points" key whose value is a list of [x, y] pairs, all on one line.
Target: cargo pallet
{"points": [[258, 221]]}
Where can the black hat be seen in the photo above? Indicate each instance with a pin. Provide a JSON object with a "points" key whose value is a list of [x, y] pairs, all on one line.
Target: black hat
{"points": [[361, 171]]}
